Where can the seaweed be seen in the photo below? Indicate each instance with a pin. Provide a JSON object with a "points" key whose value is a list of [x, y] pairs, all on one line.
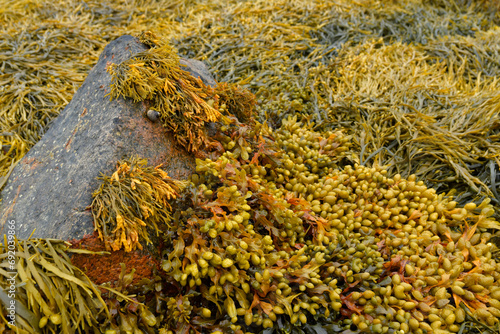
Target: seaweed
{"points": [[454, 48], [234, 100], [185, 104], [52, 295], [131, 201], [401, 93], [284, 62], [415, 22], [412, 114]]}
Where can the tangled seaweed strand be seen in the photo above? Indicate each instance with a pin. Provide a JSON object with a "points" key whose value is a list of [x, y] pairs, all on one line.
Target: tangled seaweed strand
{"points": [[132, 200], [236, 101], [185, 103], [129, 315]]}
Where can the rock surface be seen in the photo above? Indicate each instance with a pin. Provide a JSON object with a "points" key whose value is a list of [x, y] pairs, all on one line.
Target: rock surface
{"points": [[51, 187]]}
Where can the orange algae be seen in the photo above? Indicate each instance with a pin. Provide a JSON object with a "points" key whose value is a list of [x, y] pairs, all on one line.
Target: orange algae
{"points": [[106, 268]]}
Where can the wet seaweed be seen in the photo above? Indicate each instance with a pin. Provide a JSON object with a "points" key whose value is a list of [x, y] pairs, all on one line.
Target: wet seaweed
{"points": [[406, 87], [185, 103], [416, 22], [456, 44], [131, 201], [52, 295], [299, 242], [423, 117]]}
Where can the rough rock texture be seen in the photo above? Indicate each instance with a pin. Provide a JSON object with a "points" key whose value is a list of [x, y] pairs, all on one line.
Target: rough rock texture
{"points": [[51, 187]]}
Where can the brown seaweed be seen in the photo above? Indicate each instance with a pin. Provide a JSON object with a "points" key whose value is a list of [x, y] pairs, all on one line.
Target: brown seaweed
{"points": [[412, 83], [131, 201], [52, 295]]}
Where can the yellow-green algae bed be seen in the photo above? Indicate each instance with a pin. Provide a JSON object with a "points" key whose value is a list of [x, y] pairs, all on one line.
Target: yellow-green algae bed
{"points": [[361, 195]]}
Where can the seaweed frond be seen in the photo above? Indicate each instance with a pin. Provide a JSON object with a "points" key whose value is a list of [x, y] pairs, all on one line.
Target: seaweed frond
{"points": [[51, 294], [184, 102], [134, 198], [236, 101]]}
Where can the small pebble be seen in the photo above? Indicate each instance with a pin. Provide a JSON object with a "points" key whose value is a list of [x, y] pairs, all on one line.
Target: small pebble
{"points": [[153, 115]]}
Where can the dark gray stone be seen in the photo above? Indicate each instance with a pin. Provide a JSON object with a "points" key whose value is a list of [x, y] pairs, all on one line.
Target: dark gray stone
{"points": [[198, 69], [51, 187]]}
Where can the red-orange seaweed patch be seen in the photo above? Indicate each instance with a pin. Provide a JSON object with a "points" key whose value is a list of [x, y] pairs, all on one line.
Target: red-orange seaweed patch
{"points": [[106, 268]]}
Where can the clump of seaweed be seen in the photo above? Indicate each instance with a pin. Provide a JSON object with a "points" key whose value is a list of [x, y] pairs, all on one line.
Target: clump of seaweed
{"points": [[51, 295], [232, 249], [408, 22], [54, 296], [472, 59], [185, 103], [235, 100], [282, 236], [125, 304], [132, 200]]}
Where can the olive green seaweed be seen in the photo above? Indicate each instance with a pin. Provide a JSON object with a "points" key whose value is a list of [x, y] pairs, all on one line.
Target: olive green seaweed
{"points": [[132, 200], [352, 184], [51, 293], [185, 104]]}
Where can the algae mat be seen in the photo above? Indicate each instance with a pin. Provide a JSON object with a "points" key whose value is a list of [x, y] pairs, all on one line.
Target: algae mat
{"points": [[413, 83]]}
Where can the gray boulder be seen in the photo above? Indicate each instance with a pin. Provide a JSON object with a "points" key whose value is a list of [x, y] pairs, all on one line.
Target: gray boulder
{"points": [[51, 187]]}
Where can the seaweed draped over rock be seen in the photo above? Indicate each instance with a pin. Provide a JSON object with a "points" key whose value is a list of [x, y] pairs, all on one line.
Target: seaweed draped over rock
{"points": [[132, 200], [273, 49], [183, 101], [185, 104]]}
